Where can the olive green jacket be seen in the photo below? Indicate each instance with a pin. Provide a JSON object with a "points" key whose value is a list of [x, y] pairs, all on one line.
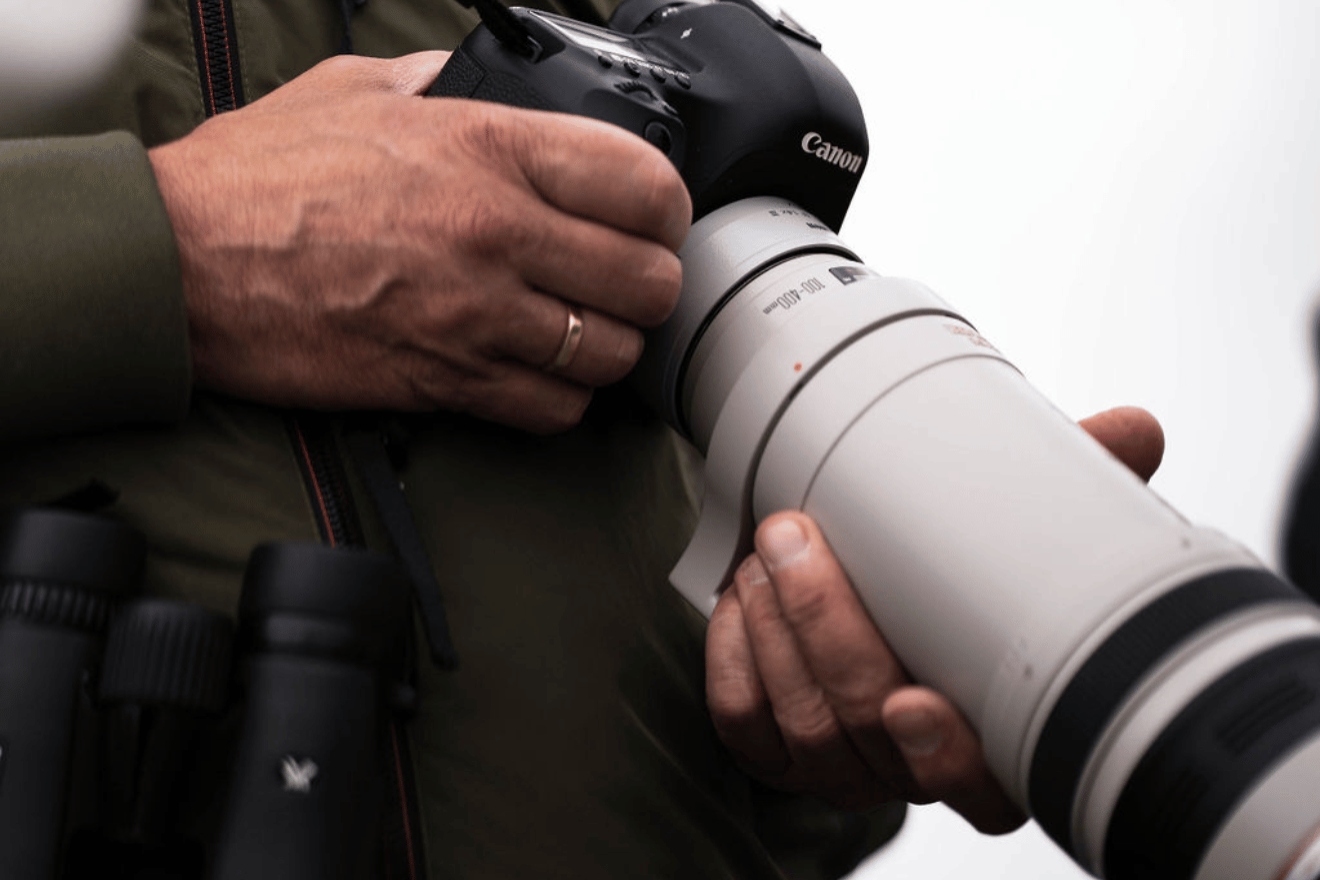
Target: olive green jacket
{"points": [[574, 741]]}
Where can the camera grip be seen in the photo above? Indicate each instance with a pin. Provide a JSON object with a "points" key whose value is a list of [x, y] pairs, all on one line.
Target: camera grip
{"points": [[463, 76]]}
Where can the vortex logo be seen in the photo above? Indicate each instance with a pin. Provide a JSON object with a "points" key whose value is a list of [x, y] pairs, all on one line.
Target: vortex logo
{"points": [[822, 149]]}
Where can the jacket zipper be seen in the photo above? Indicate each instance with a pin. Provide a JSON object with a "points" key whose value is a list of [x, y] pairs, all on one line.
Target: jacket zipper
{"points": [[326, 481], [337, 521], [215, 40]]}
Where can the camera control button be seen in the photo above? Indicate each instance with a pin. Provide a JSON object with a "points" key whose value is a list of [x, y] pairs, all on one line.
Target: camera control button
{"points": [[633, 67], [683, 80], [658, 75], [657, 135], [605, 61]]}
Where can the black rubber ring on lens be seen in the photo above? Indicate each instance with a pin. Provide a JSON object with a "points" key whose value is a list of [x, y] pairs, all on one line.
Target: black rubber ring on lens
{"points": [[1110, 674], [1204, 762]]}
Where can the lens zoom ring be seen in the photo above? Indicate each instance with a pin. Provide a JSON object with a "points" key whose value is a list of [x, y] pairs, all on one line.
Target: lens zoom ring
{"points": [[1207, 760], [1106, 679], [55, 605]]}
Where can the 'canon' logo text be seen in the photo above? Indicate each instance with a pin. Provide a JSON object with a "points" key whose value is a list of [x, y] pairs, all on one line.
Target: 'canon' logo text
{"points": [[822, 149]]}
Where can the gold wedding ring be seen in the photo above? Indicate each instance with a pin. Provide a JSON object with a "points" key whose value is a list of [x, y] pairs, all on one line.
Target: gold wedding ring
{"points": [[572, 339]]}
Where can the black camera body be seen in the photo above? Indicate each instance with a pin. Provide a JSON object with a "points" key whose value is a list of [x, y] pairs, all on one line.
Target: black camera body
{"points": [[743, 103]]}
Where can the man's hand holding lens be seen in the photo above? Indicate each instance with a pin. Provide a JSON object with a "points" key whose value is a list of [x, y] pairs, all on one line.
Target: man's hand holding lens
{"points": [[806, 693]]}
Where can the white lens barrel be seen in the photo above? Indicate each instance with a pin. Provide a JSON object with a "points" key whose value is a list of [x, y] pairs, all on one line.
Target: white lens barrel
{"points": [[1144, 687], [984, 530], [1002, 551]]}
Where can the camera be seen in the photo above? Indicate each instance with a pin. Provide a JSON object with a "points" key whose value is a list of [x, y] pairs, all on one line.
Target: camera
{"points": [[1146, 689]]}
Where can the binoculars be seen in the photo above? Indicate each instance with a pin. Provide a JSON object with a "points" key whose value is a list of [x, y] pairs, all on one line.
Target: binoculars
{"points": [[144, 738]]}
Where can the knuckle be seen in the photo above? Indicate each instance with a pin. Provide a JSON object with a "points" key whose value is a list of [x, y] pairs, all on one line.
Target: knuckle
{"points": [[337, 64], [734, 701], [809, 724], [488, 223], [436, 383], [344, 67], [662, 200], [806, 605], [864, 682], [623, 356], [490, 231], [762, 613], [485, 128], [860, 702], [659, 289]]}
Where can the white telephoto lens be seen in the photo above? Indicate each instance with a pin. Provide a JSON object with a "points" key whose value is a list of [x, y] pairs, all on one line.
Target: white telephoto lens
{"points": [[1144, 687]]}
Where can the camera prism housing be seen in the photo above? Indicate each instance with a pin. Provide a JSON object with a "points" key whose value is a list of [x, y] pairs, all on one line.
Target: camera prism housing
{"points": [[1145, 688]]}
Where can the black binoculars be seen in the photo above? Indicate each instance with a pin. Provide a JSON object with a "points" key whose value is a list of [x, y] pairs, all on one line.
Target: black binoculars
{"points": [[144, 738]]}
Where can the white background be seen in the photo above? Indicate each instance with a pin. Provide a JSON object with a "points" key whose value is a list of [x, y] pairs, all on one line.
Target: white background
{"points": [[1124, 196]]}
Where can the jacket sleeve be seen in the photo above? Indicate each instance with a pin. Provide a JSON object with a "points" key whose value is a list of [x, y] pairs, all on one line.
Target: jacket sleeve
{"points": [[93, 329]]}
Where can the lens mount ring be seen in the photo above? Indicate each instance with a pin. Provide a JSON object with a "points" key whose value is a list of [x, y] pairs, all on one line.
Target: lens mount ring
{"points": [[723, 251]]}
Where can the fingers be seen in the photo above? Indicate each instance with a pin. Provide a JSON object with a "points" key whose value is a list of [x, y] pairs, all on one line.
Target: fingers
{"points": [[506, 392], [846, 655], [816, 745], [1132, 435], [739, 706], [603, 173], [513, 386], [533, 402], [945, 759], [853, 730], [586, 168], [534, 334], [627, 277], [595, 237], [608, 351]]}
